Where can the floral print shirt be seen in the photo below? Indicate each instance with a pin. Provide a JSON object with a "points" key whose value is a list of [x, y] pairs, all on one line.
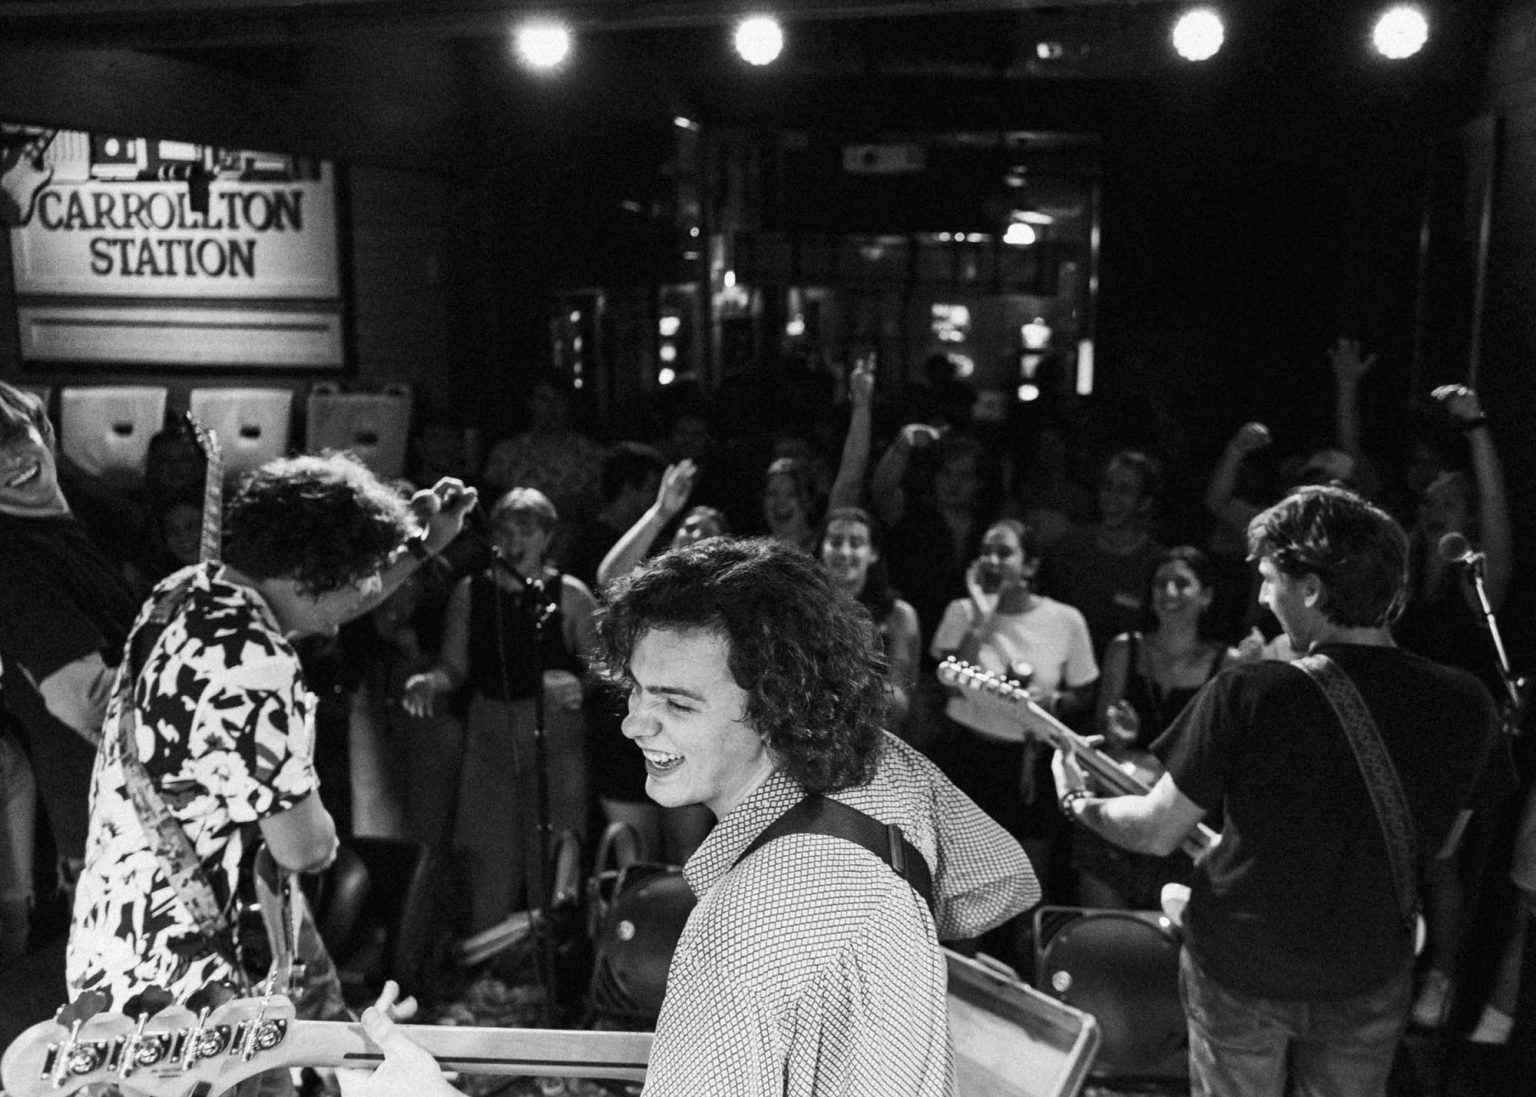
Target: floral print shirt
{"points": [[225, 729]]}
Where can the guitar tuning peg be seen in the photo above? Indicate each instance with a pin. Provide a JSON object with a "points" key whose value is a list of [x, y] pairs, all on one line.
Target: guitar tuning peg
{"points": [[210, 996], [82, 1009], [147, 1002]]}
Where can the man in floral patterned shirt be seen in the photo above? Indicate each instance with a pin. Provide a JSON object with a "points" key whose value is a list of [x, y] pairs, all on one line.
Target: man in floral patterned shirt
{"points": [[224, 724]]}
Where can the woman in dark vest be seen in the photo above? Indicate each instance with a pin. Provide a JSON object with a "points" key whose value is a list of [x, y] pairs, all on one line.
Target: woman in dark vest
{"points": [[511, 631]]}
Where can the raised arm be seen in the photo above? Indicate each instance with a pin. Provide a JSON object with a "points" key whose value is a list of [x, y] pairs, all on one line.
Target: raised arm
{"points": [[848, 488], [1494, 538], [441, 510], [1349, 366], [630, 549], [886, 494], [1220, 498]]}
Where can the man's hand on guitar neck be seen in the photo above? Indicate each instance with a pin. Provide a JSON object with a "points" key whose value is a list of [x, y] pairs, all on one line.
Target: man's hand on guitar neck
{"points": [[408, 1069]]}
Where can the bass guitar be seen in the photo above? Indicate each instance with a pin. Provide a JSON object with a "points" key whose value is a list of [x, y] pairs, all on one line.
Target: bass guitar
{"points": [[1014, 700], [178, 1050]]}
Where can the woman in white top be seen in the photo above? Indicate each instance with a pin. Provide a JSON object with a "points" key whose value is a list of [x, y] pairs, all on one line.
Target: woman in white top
{"points": [[1006, 628]]}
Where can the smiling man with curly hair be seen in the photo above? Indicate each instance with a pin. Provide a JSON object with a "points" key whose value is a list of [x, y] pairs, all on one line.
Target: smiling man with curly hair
{"points": [[809, 965]]}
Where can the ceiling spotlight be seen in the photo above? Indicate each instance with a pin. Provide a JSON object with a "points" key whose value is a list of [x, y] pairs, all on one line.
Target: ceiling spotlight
{"points": [[1401, 32], [543, 45], [759, 39], [1198, 34]]}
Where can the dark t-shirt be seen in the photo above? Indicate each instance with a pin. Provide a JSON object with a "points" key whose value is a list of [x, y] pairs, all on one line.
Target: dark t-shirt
{"points": [[1297, 901], [61, 598], [1110, 589]]}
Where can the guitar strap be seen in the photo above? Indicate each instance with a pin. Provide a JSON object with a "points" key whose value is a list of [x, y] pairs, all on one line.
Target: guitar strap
{"points": [[167, 839], [1380, 774], [823, 815]]}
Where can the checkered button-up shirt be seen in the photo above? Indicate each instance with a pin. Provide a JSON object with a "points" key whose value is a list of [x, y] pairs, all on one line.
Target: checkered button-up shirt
{"points": [[812, 968]]}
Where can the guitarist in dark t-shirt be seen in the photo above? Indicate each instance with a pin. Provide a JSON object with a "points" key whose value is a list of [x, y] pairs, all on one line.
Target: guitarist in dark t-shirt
{"points": [[1299, 950]]}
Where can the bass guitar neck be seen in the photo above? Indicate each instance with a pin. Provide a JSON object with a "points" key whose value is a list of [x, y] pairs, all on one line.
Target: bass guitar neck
{"points": [[176, 1051]]}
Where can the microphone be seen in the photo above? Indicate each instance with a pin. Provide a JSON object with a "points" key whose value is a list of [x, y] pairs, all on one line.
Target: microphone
{"points": [[1454, 548]]}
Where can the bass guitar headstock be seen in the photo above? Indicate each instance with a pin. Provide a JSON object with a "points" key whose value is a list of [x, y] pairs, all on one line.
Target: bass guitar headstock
{"points": [[163, 1054]]}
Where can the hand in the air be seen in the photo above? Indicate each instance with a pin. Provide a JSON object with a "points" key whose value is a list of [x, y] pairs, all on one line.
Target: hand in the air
{"points": [[442, 510], [1250, 437], [676, 486], [1349, 365], [1460, 401]]}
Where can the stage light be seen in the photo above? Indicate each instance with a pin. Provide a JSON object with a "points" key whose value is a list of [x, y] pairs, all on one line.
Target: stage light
{"points": [[1198, 34], [759, 39], [543, 45], [1401, 32], [1020, 234]]}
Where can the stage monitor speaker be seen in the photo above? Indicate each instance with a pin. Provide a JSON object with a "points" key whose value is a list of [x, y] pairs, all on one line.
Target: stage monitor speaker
{"points": [[1122, 967], [252, 424], [1010, 1040], [372, 425], [105, 429]]}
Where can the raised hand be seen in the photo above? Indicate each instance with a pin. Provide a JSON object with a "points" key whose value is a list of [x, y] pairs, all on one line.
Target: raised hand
{"points": [[1349, 365], [1250, 437], [442, 509], [676, 486], [917, 435], [1460, 401], [861, 385]]}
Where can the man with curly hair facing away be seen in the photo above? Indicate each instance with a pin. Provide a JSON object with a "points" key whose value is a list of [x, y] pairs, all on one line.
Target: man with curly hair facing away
{"points": [[216, 721], [809, 965]]}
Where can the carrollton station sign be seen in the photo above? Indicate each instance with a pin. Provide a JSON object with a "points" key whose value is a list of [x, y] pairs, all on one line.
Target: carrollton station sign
{"points": [[274, 240], [127, 251]]}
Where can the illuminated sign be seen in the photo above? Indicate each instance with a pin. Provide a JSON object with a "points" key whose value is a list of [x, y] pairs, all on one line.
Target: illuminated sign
{"points": [[129, 250]]}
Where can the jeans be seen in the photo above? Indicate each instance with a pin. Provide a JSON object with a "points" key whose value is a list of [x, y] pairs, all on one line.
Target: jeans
{"points": [[1244, 1046]]}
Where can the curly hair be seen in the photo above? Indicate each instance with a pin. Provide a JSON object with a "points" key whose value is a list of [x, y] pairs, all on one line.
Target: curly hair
{"points": [[805, 653], [1357, 549], [324, 521]]}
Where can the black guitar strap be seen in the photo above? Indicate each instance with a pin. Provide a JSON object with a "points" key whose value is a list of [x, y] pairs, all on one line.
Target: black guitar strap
{"points": [[823, 815]]}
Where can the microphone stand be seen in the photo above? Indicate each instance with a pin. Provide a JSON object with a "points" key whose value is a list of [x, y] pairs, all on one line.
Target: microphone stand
{"points": [[543, 610], [1514, 686], [543, 872]]}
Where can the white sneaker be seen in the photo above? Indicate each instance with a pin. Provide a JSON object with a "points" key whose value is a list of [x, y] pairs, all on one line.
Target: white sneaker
{"points": [[1433, 1001], [1493, 1027]]}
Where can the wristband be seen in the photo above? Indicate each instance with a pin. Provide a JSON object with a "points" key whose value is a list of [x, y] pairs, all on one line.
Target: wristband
{"points": [[1070, 798], [1469, 425], [416, 545]]}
